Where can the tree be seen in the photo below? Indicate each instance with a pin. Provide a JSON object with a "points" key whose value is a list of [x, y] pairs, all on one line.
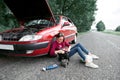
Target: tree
{"points": [[80, 11], [117, 29], [100, 26], [7, 20]]}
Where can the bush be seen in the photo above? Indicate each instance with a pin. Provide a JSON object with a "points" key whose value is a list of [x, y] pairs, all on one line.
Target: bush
{"points": [[117, 29], [100, 26]]}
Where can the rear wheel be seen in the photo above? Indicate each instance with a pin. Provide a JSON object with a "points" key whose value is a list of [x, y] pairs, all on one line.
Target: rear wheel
{"points": [[75, 39]]}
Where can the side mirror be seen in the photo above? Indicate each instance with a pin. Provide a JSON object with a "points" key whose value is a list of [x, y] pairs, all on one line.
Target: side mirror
{"points": [[66, 24]]}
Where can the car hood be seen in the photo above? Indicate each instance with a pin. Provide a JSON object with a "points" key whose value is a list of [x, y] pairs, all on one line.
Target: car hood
{"points": [[25, 10]]}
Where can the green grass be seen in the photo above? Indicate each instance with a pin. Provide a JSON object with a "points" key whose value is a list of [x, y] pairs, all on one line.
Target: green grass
{"points": [[112, 32]]}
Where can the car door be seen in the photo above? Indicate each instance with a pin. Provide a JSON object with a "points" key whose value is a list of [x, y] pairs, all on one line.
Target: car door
{"points": [[68, 29]]}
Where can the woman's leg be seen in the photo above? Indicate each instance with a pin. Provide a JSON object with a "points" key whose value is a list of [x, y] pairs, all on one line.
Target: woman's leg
{"points": [[76, 49], [87, 58], [87, 52], [82, 48]]}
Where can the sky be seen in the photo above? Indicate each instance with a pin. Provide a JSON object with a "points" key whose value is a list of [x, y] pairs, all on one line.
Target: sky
{"points": [[109, 12]]}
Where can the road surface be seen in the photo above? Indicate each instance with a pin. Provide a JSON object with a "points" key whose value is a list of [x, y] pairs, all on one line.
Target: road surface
{"points": [[106, 46]]}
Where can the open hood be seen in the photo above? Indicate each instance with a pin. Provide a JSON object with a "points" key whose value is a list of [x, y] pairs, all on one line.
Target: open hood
{"points": [[25, 10]]}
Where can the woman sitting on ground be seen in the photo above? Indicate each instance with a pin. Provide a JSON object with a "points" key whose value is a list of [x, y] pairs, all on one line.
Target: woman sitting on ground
{"points": [[59, 46]]}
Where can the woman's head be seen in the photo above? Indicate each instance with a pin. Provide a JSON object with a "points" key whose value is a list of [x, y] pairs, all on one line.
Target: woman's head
{"points": [[60, 37]]}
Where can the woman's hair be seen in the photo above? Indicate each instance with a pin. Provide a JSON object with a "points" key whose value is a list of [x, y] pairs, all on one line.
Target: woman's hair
{"points": [[60, 35]]}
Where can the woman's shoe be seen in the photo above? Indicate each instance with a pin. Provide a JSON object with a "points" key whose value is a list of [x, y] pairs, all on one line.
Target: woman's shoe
{"points": [[91, 65], [94, 56], [89, 62]]}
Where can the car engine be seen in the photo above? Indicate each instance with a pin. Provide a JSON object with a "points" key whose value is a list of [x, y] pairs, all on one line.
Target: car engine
{"points": [[15, 35]]}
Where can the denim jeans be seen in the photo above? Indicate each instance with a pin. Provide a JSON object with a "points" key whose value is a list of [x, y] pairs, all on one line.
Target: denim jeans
{"points": [[79, 49]]}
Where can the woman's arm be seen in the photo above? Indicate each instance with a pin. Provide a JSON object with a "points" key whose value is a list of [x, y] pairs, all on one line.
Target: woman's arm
{"points": [[67, 48], [54, 52], [52, 49]]}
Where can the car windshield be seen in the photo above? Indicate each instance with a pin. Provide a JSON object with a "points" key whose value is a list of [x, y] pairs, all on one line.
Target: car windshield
{"points": [[41, 22], [57, 18]]}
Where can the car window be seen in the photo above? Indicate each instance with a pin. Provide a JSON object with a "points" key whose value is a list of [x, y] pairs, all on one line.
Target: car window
{"points": [[41, 22], [70, 21], [57, 18], [65, 19]]}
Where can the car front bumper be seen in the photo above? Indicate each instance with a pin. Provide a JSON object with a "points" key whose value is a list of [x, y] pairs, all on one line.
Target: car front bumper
{"points": [[21, 48]]}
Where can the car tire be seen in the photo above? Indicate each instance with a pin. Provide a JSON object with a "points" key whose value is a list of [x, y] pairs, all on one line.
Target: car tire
{"points": [[75, 40]]}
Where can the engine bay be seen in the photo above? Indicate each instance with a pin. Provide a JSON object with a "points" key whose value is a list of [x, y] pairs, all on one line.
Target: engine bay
{"points": [[29, 28], [15, 35]]}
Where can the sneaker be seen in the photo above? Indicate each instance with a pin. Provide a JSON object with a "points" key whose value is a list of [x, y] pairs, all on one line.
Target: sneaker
{"points": [[91, 65], [94, 56]]}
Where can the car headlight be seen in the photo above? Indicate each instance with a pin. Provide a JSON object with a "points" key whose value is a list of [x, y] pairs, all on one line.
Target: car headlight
{"points": [[30, 37], [0, 38]]}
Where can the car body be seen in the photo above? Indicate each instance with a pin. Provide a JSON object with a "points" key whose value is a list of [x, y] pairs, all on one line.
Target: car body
{"points": [[37, 29]]}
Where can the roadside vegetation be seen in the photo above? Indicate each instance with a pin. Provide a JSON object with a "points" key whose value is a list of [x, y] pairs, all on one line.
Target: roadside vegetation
{"points": [[82, 12], [112, 32], [100, 26]]}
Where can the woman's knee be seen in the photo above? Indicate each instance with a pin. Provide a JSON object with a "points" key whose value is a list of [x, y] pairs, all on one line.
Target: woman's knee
{"points": [[77, 45], [78, 49]]}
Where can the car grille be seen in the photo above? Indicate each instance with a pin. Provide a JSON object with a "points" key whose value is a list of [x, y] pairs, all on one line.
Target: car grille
{"points": [[11, 36]]}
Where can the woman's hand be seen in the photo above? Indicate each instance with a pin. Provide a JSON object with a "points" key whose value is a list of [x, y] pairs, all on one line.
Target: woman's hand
{"points": [[60, 51], [67, 48]]}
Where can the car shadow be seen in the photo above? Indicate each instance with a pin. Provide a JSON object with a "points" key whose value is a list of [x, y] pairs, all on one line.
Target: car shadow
{"points": [[43, 58]]}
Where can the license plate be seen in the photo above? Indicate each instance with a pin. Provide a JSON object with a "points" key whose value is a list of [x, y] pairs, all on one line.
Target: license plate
{"points": [[6, 47]]}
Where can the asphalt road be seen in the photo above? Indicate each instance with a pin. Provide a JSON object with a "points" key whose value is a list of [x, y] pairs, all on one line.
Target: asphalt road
{"points": [[106, 46]]}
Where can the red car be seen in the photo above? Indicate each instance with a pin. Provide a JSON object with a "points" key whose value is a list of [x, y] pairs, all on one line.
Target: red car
{"points": [[38, 27]]}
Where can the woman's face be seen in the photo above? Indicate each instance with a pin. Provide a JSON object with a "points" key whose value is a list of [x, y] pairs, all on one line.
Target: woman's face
{"points": [[60, 39]]}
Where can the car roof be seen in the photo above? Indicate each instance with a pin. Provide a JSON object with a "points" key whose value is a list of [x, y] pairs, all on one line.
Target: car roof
{"points": [[30, 9]]}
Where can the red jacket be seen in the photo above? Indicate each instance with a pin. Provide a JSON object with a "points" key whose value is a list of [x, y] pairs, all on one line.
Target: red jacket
{"points": [[57, 46]]}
